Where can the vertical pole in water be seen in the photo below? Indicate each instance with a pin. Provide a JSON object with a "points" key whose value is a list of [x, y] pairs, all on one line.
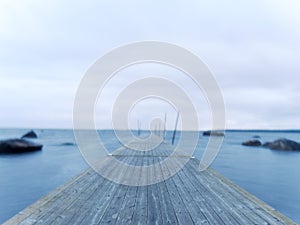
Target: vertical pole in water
{"points": [[139, 127], [159, 129], [174, 133], [165, 127]]}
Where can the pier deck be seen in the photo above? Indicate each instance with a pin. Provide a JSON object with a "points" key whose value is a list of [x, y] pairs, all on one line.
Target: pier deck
{"points": [[189, 197]]}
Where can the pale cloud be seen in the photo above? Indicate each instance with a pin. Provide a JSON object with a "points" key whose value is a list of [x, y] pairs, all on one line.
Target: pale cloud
{"points": [[252, 47]]}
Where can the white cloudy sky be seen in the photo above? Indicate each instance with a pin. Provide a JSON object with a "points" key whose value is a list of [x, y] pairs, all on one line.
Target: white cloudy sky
{"points": [[252, 47]]}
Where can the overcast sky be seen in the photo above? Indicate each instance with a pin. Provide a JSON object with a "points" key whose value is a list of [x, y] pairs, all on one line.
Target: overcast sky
{"points": [[252, 48]]}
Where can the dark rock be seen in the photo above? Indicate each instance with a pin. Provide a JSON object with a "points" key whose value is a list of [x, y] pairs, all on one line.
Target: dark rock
{"points": [[68, 144], [213, 133], [252, 143], [30, 134], [256, 136], [283, 144], [18, 146]]}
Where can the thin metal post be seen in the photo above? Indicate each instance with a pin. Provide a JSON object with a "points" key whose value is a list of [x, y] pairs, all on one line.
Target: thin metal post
{"points": [[139, 127], [165, 127], [174, 132]]}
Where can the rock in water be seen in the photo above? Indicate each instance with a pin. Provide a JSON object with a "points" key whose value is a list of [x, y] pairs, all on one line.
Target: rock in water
{"points": [[67, 144], [252, 143], [283, 144], [30, 134], [18, 146], [213, 133]]}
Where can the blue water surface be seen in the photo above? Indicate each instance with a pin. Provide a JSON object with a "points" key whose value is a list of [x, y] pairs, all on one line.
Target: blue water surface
{"points": [[270, 175]]}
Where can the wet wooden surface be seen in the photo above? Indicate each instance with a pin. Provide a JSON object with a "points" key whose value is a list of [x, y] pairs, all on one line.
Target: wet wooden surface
{"points": [[188, 197]]}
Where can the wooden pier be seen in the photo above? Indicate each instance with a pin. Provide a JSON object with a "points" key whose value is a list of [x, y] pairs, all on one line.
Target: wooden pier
{"points": [[189, 197]]}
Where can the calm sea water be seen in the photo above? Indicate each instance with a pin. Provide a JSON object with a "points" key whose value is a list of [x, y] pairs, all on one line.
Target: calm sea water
{"points": [[273, 176]]}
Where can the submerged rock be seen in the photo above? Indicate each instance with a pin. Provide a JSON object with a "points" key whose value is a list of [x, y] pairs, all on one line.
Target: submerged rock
{"points": [[256, 136], [252, 143], [18, 146], [283, 144], [213, 133], [67, 144], [30, 134]]}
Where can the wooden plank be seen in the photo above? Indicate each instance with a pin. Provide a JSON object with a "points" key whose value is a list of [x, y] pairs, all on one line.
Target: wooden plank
{"points": [[166, 208], [52, 196], [102, 213], [67, 215], [80, 209], [114, 210], [226, 205], [90, 208], [52, 208], [191, 205], [188, 197], [261, 210], [207, 205], [140, 209], [154, 207], [182, 214], [127, 209], [226, 199], [71, 207]]}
